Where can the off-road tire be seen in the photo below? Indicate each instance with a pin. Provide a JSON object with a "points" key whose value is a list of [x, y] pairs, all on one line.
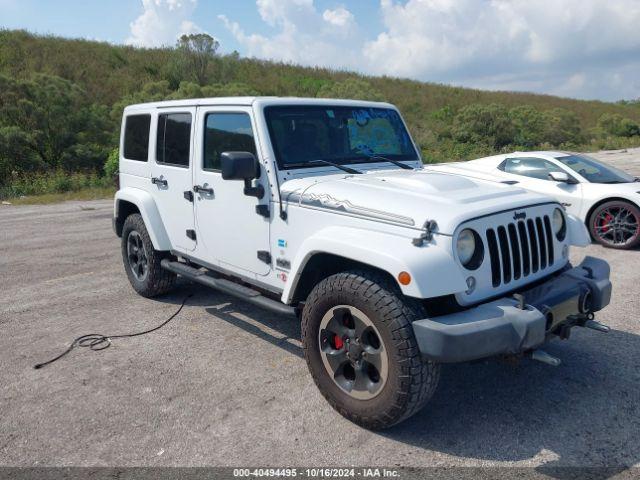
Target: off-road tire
{"points": [[158, 281], [411, 380], [634, 239]]}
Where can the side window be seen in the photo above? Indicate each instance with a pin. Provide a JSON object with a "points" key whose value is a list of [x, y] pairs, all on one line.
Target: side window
{"points": [[136, 137], [529, 167], [226, 132], [173, 143]]}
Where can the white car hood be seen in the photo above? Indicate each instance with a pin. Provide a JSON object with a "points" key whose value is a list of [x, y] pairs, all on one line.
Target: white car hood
{"points": [[409, 198]]}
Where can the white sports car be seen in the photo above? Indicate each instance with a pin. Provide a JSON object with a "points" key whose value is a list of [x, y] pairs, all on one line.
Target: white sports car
{"points": [[605, 198]]}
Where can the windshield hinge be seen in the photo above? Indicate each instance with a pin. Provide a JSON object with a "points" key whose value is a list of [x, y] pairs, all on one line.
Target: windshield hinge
{"points": [[264, 256], [430, 226]]}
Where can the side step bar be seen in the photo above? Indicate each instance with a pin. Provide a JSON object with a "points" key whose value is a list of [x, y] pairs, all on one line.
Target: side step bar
{"points": [[230, 288]]}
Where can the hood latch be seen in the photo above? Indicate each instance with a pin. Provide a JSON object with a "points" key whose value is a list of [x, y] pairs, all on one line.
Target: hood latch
{"points": [[430, 226]]}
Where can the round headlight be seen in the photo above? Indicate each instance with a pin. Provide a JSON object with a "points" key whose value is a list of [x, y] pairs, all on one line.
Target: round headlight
{"points": [[469, 249], [559, 224]]}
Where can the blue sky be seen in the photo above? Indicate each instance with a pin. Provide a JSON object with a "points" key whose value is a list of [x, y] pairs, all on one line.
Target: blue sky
{"points": [[575, 48]]}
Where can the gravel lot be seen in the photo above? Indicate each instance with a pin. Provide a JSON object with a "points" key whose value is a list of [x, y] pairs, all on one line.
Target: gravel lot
{"points": [[225, 384], [627, 159]]}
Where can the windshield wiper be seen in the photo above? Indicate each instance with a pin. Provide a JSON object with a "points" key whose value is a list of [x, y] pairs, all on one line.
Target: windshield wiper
{"points": [[395, 162], [333, 164]]}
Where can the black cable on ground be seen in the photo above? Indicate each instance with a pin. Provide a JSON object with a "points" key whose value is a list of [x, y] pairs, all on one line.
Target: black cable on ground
{"points": [[97, 342]]}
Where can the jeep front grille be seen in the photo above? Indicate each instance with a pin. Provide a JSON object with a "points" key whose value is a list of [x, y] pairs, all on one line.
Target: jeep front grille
{"points": [[520, 249]]}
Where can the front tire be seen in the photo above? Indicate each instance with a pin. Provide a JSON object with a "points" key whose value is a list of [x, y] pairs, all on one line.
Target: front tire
{"points": [[616, 224], [361, 350], [142, 261]]}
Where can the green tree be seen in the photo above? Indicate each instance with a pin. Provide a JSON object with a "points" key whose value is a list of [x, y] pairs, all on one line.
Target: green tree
{"points": [[151, 92], [48, 118], [561, 127], [528, 124], [16, 156], [195, 53]]}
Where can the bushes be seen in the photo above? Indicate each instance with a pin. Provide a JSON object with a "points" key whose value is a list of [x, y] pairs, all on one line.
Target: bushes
{"points": [[70, 118], [486, 124], [529, 126], [112, 164], [618, 126], [562, 127], [351, 88], [499, 128], [46, 122], [57, 181]]}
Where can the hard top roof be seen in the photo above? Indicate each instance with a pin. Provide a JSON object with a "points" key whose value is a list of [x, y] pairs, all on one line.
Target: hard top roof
{"points": [[251, 101]]}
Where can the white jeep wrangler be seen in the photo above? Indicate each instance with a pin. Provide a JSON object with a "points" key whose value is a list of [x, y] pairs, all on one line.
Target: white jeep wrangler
{"points": [[321, 209]]}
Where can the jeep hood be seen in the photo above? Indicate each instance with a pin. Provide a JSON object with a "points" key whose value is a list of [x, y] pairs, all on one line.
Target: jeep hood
{"points": [[408, 198]]}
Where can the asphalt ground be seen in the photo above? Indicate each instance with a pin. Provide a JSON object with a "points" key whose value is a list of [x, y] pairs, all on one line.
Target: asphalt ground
{"points": [[225, 384]]}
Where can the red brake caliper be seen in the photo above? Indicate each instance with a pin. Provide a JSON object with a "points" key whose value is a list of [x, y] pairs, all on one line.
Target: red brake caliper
{"points": [[604, 221], [337, 341]]}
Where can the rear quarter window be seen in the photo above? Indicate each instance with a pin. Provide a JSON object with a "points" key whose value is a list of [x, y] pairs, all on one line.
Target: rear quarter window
{"points": [[173, 142], [136, 137]]}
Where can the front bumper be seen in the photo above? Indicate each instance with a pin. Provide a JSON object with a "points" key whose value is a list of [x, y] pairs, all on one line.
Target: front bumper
{"points": [[513, 325]]}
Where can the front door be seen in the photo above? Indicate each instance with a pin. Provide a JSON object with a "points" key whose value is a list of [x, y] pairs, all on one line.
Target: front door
{"points": [[171, 174], [230, 232]]}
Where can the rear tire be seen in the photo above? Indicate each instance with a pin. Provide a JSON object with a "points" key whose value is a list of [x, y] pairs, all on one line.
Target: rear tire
{"points": [[616, 224], [142, 261], [370, 303]]}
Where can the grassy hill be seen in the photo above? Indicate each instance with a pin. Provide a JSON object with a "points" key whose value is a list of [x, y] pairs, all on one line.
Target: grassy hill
{"points": [[43, 76]]}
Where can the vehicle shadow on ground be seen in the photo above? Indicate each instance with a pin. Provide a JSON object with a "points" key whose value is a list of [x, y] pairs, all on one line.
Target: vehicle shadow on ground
{"points": [[242, 315], [584, 413]]}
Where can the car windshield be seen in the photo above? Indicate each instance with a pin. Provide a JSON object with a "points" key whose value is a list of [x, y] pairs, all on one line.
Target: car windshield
{"points": [[342, 135], [594, 171]]}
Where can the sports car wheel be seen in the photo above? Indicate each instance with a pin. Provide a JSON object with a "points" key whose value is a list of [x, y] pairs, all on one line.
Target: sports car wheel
{"points": [[616, 224]]}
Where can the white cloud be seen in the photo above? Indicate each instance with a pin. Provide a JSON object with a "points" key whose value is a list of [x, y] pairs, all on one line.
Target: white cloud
{"points": [[303, 35], [340, 17], [580, 48], [162, 22], [467, 42]]}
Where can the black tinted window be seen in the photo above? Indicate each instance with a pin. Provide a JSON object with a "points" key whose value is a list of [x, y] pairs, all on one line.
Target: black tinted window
{"points": [[595, 171], [530, 167], [226, 132], [136, 137], [174, 139]]}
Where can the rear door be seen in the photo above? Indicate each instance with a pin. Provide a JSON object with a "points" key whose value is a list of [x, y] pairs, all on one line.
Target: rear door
{"points": [[171, 174]]}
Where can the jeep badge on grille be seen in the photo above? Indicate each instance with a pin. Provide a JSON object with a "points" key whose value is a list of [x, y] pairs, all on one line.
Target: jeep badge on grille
{"points": [[519, 215]]}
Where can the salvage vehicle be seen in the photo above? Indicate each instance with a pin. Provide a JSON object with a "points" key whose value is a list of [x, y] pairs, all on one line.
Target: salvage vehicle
{"points": [[322, 210], [605, 198]]}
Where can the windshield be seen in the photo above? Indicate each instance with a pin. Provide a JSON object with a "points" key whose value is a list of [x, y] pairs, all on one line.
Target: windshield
{"points": [[594, 171], [342, 135]]}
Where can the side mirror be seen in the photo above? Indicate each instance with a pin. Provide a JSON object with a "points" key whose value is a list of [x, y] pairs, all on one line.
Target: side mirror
{"points": [[239, 166], [561, 177], [242, 166]]}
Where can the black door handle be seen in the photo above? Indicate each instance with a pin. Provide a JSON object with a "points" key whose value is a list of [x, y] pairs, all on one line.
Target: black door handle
{"points": [[200, 189], [159, 181]]}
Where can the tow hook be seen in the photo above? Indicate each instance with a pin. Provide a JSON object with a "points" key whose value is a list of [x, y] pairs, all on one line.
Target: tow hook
{"points": [[544, 357], [597, 326]]}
